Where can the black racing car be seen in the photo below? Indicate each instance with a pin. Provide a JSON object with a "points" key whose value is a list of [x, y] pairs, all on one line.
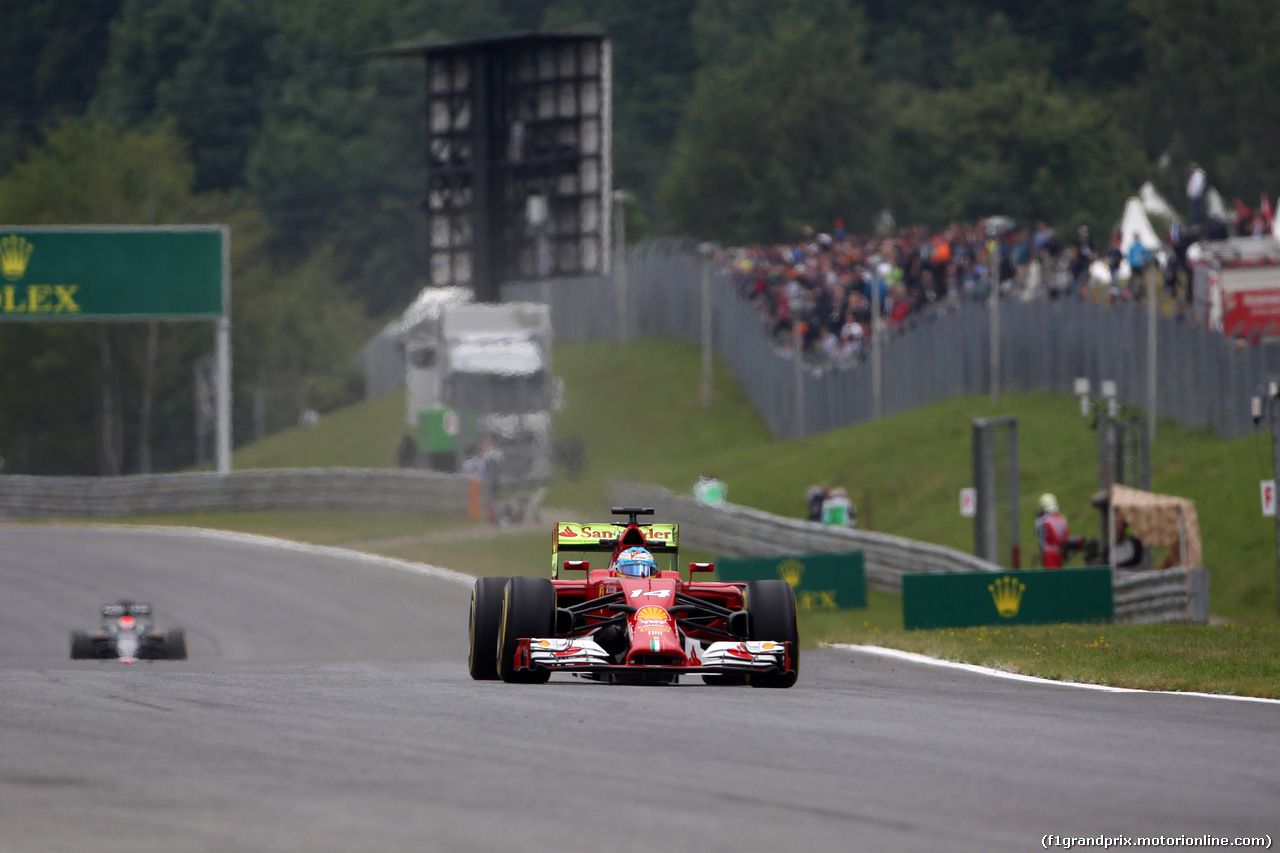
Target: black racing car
{"points": [[128, 635]]}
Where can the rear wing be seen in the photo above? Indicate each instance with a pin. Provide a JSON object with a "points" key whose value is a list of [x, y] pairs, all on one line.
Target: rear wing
{"points": [[135, 608], [602, 538]]}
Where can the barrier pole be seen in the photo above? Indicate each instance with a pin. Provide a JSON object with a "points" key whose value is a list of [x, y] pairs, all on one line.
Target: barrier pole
{"points": [[222, 349]]}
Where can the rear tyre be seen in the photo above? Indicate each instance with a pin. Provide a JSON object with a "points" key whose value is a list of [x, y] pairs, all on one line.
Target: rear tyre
{"points": [[176, 645], [484, 626], [528, 610], [771, 605], [82, 646]]}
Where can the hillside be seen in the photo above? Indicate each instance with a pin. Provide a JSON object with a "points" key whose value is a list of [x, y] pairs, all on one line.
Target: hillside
{"points": [[636, 409]]}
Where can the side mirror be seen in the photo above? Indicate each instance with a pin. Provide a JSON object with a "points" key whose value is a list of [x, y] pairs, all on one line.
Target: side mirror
{"points": [[701, 567], [577, 565]]}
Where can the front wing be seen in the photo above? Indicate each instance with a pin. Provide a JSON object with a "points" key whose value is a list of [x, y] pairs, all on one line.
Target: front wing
{"points": [[581, 654]]}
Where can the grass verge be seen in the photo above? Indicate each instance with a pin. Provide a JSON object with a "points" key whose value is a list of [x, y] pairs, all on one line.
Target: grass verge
{"points": [[1238, 659]]}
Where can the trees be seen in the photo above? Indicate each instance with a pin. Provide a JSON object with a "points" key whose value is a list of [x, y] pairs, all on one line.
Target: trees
{"points": [[788, 137], [122, 377], [786, 128], [50, 54], [1010, 144], [1208, 92], [87, 174]]}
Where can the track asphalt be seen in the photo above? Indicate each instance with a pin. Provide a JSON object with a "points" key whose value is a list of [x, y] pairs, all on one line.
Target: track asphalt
{"points": [[326, 707]]}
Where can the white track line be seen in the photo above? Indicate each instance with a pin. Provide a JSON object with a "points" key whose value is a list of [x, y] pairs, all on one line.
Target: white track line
{"points": [[290, 545], [1014, 676]]}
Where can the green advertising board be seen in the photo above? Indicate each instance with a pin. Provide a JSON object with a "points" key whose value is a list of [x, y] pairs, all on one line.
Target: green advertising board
{"points": [[820, 581], [964, 599], [113, 273], [442, 430]]}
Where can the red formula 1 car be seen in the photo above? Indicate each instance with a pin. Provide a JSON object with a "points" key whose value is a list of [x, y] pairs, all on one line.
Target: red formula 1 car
{"points": [[633, 619]]}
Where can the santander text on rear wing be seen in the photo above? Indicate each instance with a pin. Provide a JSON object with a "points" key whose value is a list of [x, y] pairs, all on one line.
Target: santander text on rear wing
{"points": [[573, 540]]}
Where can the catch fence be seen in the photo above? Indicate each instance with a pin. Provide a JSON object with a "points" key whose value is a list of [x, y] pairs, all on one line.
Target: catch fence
{"points": [[1204, 379]]}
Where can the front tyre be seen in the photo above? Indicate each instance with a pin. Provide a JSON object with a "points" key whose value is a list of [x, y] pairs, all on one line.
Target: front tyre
{"points": [[528, 610], [771, 605], [485, 625], [82, 646], [175, 645]]}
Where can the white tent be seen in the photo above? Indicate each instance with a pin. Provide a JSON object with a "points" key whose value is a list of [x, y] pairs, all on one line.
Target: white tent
{"points": [[1154, 203], [1135, 223], [1214, 206]]}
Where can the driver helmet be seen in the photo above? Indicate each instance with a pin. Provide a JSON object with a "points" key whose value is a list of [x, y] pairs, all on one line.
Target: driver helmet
{"points": [[1048, 503], [636, 563]]}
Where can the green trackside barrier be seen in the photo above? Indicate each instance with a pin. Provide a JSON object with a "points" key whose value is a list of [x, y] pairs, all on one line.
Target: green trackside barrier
{"points": [[821, 581], [962, 599]]}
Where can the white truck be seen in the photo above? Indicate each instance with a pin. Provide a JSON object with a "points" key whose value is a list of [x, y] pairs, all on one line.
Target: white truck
{"points": [[484, 370]]}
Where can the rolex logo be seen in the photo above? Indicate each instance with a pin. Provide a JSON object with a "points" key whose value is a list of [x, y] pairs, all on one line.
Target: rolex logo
{"points": [[15, 251], [791, 570], [1007, 594]]}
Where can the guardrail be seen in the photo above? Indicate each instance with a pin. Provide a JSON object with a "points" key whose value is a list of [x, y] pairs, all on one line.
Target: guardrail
{"points": [[740, 531], [1172, 595], [351, 489]]}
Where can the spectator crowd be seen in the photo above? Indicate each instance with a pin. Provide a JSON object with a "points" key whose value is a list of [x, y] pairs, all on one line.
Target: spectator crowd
{"points": [[818, 294]]}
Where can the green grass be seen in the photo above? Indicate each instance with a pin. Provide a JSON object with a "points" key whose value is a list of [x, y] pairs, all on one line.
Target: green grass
{"points": [[360, 436], [1222, 658], [503, 554]]}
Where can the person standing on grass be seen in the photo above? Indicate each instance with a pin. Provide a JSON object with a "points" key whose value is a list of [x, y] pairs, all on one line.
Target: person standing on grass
{"points": [[838, 510], [1052, 532]]}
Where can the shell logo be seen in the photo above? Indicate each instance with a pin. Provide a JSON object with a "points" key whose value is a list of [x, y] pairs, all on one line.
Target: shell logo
{"points": [[651, 611]]}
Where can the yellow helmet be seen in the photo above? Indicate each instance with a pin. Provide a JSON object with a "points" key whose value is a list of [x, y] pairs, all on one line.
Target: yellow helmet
{"points": [[1048, 503]]}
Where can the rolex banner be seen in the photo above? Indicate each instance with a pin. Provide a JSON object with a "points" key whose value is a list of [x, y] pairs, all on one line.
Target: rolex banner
{"points": [[112, 272], [962, 599], [820, 581]]}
